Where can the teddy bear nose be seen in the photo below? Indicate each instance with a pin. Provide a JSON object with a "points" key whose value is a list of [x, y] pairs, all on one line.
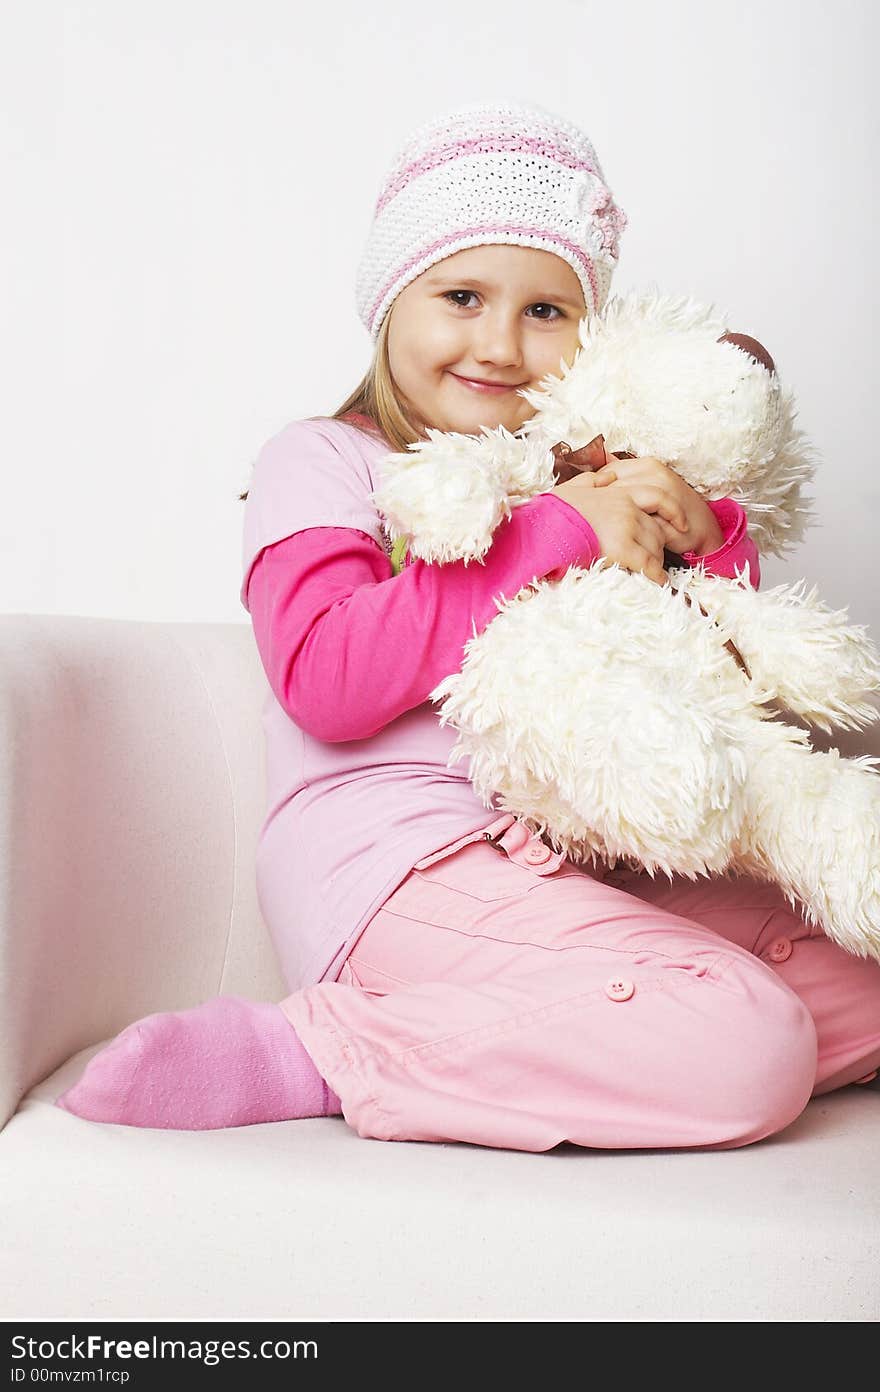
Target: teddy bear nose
{"points": [[752, 347]]}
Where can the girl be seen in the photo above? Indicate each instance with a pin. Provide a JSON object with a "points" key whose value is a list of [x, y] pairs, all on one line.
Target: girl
{"points": [[451, 977]]}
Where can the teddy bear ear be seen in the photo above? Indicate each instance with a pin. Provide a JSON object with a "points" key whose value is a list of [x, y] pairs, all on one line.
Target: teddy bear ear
{"points": [[751, 346]]}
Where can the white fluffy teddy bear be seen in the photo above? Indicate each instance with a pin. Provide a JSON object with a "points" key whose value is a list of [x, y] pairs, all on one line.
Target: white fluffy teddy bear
{"points": [[627, 720]]}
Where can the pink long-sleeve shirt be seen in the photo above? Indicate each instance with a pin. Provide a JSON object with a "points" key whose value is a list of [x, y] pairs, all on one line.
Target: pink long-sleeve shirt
{"points": [[358, 785]]}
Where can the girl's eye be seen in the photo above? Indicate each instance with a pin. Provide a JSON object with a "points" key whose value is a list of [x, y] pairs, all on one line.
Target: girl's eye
{"points": [[450, 295]]}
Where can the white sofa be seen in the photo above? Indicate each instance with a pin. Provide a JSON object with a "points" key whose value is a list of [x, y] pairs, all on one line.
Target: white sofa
{"points": [[133, 793]]}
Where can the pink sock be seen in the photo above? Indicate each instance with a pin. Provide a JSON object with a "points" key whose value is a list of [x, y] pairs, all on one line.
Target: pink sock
{"points": [[229, 1062]]}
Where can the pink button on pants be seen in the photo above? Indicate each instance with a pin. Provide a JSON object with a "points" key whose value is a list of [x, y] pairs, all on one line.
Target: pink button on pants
{"points": [[488, 1003]]}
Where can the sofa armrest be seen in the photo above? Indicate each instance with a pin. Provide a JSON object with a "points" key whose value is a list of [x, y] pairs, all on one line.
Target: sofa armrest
{"points": [[132, 776]]}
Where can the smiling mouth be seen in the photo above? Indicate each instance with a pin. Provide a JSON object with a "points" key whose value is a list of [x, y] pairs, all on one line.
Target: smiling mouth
{"points": [[493, 388]]}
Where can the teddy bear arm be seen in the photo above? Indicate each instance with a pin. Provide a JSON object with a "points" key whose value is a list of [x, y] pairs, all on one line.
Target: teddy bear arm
{"points": [[802, 654]]}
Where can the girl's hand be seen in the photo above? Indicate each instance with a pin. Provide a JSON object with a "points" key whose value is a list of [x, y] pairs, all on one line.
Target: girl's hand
{"points": [[685, 518], [627, 535]]}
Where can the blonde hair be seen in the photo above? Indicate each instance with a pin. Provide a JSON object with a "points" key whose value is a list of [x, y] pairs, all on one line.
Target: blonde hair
{"points": [[376, 398]]}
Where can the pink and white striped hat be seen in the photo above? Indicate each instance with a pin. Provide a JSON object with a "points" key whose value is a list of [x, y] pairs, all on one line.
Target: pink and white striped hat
{"points": [[490, 173]]}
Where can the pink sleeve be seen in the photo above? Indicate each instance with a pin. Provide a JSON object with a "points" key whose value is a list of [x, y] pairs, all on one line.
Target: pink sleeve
{"points": [[736, 548], [347, 646]]}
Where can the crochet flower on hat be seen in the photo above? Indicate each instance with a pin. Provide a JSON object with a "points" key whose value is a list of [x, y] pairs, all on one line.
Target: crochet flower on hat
{"points": [[591, 201]]}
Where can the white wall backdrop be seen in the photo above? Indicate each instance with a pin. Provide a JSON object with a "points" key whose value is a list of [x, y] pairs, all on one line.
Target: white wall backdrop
{"points": [[190, 183]]}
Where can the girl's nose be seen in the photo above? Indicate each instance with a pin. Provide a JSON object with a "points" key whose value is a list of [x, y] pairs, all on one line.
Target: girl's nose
{"points": [[497, 341]]}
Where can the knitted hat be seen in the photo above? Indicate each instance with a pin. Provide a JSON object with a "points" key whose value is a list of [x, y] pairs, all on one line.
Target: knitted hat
{"points": [[490, 173]]}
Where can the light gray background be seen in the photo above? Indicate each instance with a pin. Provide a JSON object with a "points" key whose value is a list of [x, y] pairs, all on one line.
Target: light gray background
{"points": [[191, 182]]}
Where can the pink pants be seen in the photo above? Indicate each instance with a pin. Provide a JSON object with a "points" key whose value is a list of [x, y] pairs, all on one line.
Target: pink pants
{"points": [[492, 1002]]}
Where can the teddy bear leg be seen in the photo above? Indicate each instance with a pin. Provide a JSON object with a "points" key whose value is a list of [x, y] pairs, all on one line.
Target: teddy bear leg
{"points": [[813, 827]]}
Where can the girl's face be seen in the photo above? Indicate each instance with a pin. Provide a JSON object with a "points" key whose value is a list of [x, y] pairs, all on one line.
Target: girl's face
{"points": [[503, 314]]}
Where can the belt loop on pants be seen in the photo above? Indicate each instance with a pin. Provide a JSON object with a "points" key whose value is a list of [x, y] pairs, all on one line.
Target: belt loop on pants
{"points": [[482, 834], [510, 836]]}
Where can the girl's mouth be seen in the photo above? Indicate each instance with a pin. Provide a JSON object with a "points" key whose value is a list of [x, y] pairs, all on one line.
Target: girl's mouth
{"points": [[488, 389]]}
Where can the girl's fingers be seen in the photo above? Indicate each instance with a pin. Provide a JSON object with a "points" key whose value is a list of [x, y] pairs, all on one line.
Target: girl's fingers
{"points": [[672, 537], [653, 568], [652, 540], [652, 533], [670, 511], [597, 479], [653, 501]]}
